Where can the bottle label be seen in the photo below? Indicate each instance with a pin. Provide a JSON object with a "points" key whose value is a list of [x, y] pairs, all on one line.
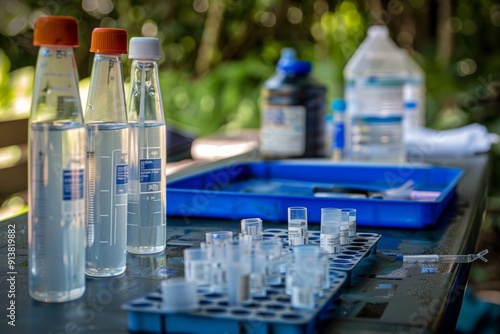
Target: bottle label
{"points": [[297, 236], [330, 243], [150, 170], [283, 130], [352, 228], [150, 175], [121, 179], [344, 234], [72, 184], [382, 97]]}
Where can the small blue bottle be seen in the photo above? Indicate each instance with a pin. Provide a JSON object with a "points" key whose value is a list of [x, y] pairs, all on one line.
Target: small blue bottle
{"points": [[338, 140]]}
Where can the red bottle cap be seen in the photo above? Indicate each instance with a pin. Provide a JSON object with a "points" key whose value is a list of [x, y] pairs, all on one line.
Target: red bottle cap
{"points": [[56, 30], [109, 40]]}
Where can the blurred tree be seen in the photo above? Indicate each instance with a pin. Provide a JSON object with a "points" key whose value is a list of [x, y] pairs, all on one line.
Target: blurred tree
{"points": [[214, 46]]}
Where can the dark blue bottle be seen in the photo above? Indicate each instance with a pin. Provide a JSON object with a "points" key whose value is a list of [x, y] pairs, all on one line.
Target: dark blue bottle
{"points": [[293, 112]]}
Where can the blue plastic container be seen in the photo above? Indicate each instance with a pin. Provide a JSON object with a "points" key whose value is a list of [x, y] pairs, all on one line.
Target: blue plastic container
{"points": [[266, 189], [270, 314]]}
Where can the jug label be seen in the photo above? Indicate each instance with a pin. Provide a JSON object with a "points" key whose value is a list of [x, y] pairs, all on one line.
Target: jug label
{"points": [[283, 130]]}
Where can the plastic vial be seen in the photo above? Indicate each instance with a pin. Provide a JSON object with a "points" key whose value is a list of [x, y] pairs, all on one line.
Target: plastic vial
{"points": [[330, 230], [293, 111], [146, 221], [338, 140], [218, 238], [107, 156], [344, 228], [258, 274], [297, 226], [272, 250], [252, 227], [304, 276], [56, 219], [198, 266], [238, 271], [350, 215], [215, 242], [375, 77]]}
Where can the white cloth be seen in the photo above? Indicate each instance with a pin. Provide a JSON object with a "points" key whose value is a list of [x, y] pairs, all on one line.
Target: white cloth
{"points": [[464, 141]]}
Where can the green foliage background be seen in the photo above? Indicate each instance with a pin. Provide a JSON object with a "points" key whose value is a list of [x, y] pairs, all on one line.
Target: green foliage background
{"points": [[218, 53]]}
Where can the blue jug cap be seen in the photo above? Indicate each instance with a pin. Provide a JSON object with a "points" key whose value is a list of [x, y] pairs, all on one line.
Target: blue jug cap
{"points": [[295, 67], [338, 105], [410, 105]]}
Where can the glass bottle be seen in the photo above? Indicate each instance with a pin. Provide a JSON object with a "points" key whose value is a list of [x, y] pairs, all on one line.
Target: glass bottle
{"points": [[107, 156], [146, 223], [56, 218]]}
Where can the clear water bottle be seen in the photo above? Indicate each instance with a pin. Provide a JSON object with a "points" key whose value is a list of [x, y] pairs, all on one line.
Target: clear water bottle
{"points": [[413, 95], [146, 223], [56, 218], [107, 156], [293, 111], [375, 77]]}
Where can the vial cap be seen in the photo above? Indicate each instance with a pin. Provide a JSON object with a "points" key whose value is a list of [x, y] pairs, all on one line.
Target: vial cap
{"points": [[109, 40], [144, 48], [56, 30]]}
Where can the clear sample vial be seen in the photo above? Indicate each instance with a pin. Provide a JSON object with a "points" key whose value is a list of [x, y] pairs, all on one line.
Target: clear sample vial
{"points": [[258, 274], [107, 156], [252, 228], [218, 238], [179, 295], [297, 226], [272, 250], [344, 228], [198, 266], [215, 242], [303, 278], [146, 220], [330, 230], [350, 214], [238, 271], [56, 217]]}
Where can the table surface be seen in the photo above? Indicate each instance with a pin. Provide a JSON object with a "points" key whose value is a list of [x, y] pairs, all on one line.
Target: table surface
{"points": [[384, 296]]}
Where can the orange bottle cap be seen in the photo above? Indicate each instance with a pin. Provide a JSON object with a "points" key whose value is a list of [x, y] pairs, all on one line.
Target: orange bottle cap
{"points": [[109, 40], [56, 30]]}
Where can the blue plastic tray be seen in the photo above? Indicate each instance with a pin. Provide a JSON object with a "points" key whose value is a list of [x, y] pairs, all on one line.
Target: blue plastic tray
{"points": [[266, 189], [272, 314]]}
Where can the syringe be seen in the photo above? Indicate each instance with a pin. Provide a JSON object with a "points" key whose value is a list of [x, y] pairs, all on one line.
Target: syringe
{"points": [[435, 258]]}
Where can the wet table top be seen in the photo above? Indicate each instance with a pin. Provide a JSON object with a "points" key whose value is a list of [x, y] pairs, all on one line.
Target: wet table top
{"points": [[384, 294]]}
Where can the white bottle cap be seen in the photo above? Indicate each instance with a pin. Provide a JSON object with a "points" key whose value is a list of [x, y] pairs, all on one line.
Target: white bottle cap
{"points": [[378, 30], [144, 48]]}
